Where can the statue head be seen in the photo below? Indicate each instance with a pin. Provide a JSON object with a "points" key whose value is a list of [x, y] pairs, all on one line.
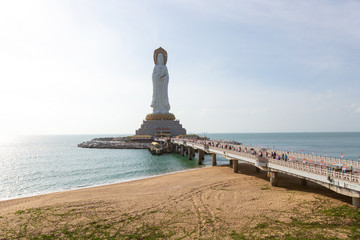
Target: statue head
{"points": [[160, 52], [160, 59]]}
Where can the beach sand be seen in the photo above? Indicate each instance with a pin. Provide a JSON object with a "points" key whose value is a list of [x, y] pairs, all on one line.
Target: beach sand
{"points": [[206, 203]]}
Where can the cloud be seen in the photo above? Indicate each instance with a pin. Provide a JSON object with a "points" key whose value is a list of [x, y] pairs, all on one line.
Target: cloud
{"points": [[337, 19], [326, 95], [203, 112], [259, 110], [244, 59], [348, 107], [323, 63]]}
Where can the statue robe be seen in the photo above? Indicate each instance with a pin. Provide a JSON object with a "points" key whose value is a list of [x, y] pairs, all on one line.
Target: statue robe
{"points": [[160, 100]]}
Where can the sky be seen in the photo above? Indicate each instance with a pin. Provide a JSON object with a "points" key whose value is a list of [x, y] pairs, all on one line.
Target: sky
{"points": [[241, 66]]}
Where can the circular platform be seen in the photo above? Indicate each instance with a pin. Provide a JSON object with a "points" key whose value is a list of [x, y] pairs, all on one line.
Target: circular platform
{"points": [[160, 116]]}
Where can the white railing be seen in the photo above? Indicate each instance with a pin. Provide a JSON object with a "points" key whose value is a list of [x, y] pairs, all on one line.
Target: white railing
{"points": [[317, 170], [242, 154], [317, 158], [300, 156]]}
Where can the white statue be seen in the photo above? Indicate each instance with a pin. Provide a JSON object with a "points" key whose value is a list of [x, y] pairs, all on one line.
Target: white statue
{"points": [[160, 78]]}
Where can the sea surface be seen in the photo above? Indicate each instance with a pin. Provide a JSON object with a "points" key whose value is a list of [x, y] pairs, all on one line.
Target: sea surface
{"points": [[33, 165]]}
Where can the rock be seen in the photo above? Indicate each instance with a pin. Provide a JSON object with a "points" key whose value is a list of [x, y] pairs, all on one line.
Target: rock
{"points": [[113, 143]]}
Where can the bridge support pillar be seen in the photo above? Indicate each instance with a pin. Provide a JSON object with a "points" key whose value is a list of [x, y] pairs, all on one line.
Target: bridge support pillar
{"points": [[356, 202], [303, 182], [189, 153], [176, 148], [231, 163], [274, 179], [182, 150], [200, 156], [235, 165], [213, 157]]}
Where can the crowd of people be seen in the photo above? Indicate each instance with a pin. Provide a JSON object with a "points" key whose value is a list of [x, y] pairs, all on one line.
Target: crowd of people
{"points": [[238, 148], [249, 150]]}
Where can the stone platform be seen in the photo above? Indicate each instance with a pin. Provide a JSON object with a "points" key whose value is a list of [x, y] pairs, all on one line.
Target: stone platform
{"points": [[158, 127]]}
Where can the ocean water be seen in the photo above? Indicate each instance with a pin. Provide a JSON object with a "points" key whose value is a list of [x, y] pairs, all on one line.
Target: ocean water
{"points": [[33, 165]]}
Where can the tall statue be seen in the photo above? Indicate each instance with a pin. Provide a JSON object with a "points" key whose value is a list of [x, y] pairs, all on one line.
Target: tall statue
{"points": [[160, 123], [160, 79]]}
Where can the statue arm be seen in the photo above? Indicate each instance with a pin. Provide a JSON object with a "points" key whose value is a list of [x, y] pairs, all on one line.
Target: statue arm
{"points": [[165, 75], [160, 74]]}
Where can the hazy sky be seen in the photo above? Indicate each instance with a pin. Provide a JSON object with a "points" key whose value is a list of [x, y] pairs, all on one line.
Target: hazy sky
{"points": [[84, 67]]}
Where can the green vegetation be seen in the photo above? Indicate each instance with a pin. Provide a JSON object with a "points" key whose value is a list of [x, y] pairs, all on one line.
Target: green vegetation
{"points": [[237, 236], [317, 219], [323, 222], [31, 223], [265, 187]]}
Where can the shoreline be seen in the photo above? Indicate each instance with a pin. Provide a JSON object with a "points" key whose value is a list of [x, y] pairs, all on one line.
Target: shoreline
{"points": [[149, 178], [103, 185]]}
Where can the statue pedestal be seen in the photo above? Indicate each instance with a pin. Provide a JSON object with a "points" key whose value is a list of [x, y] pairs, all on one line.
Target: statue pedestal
{"points": [[157, 128]]}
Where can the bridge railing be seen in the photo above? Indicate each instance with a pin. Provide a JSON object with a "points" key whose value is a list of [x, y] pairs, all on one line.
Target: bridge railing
{"points": [[224, 150], [308, 157], [328, 160], [290, 164], [321, 171], [303, 167], [243, 154]]}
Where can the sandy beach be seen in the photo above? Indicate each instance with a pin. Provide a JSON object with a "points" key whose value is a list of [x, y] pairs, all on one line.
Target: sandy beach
{"points": [[207, 203]]}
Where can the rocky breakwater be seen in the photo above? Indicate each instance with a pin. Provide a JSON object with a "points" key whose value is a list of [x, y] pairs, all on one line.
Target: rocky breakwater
{"points": [[114, 143]]}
